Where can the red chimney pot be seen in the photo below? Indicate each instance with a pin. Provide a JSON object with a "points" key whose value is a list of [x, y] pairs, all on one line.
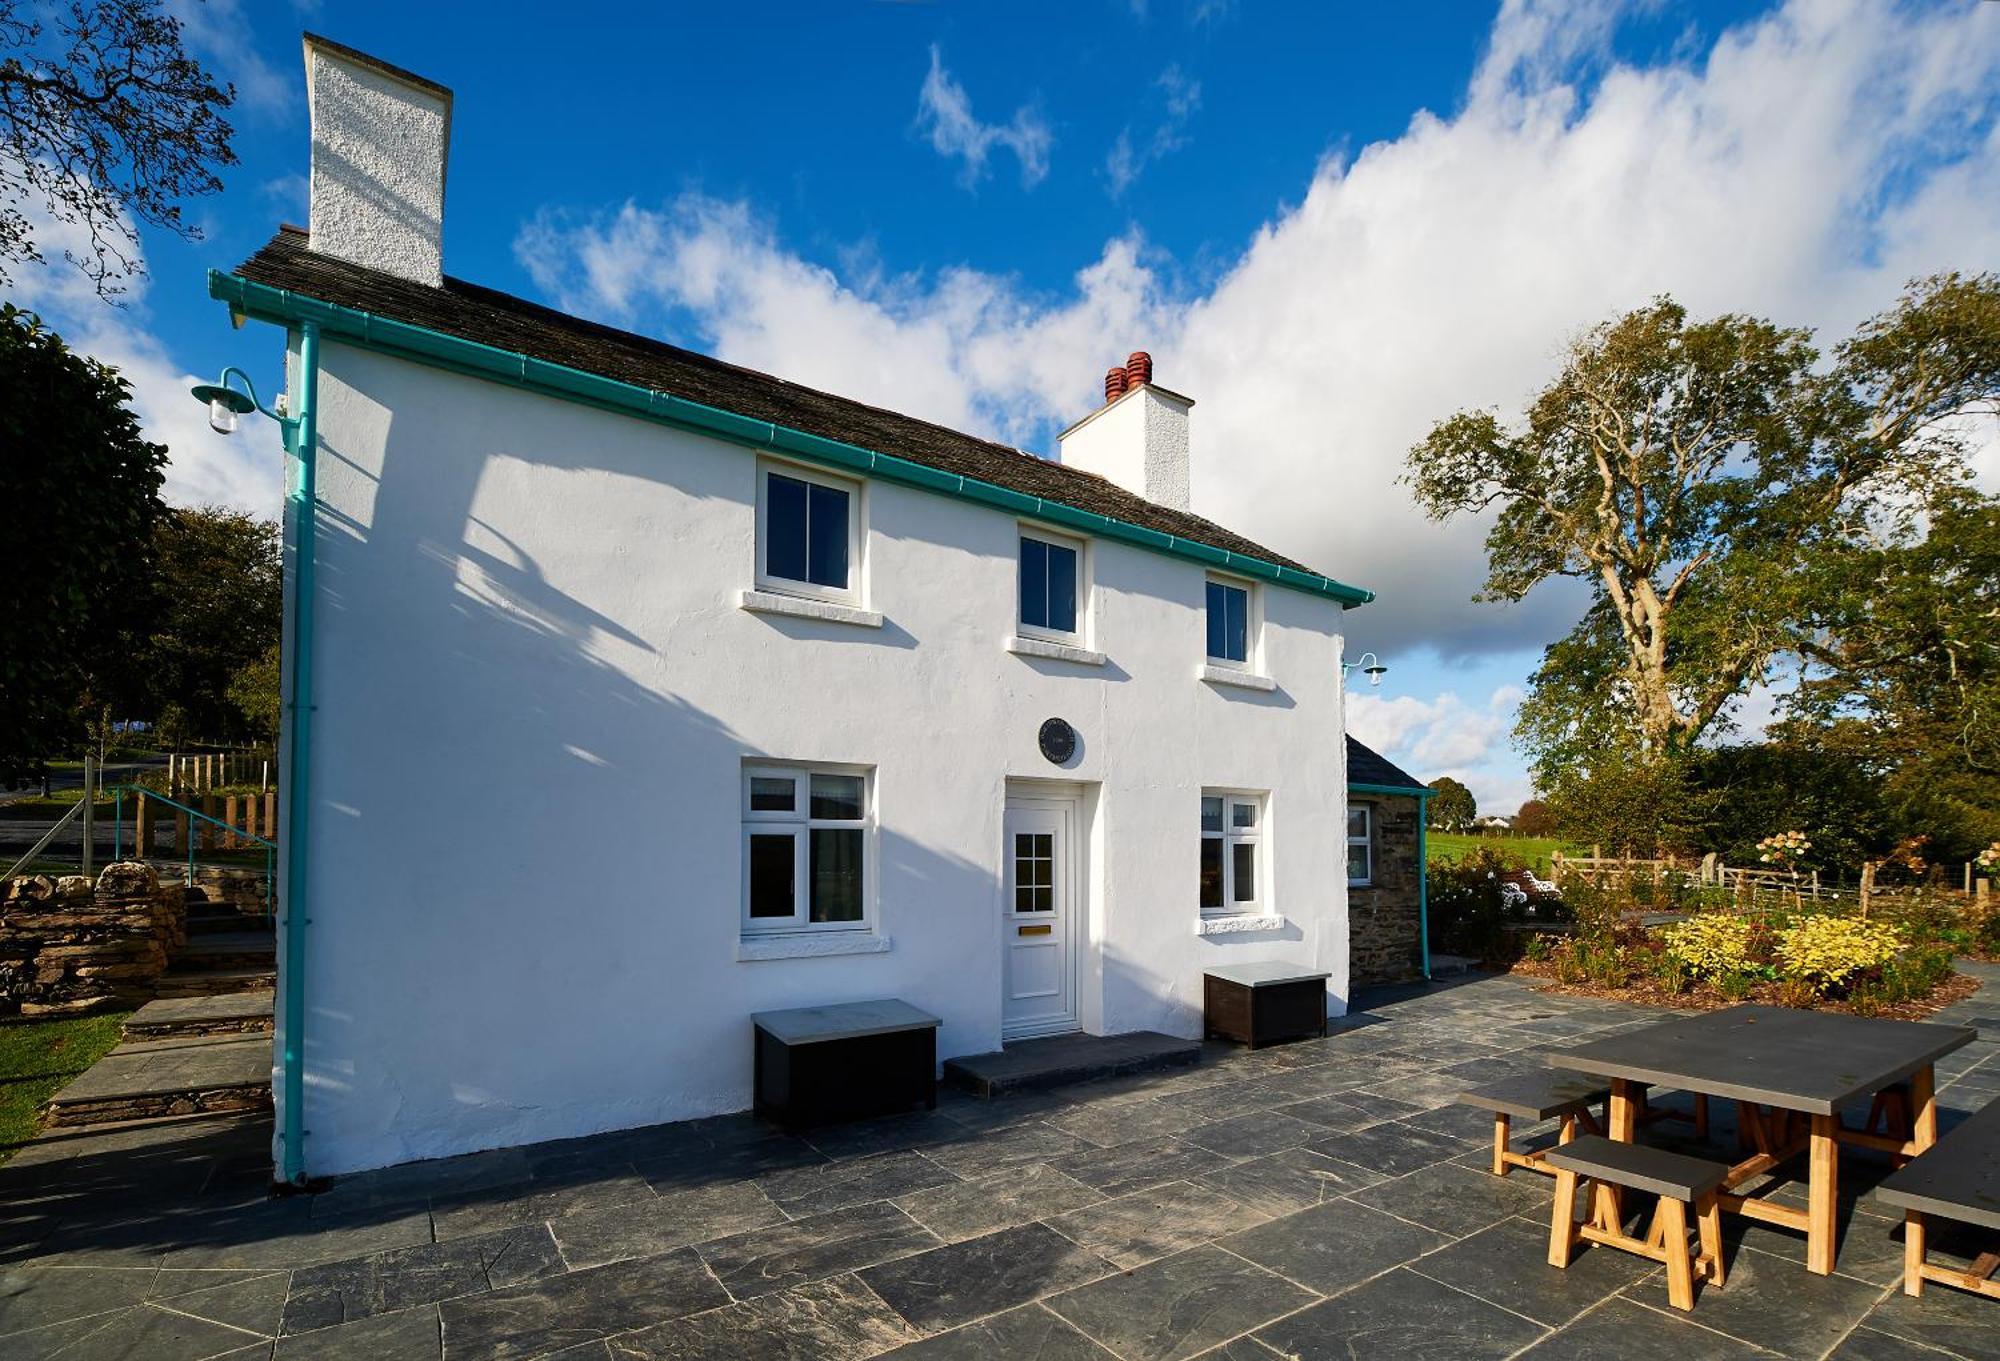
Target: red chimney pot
{"points": [[1138, 369], [1114, 384]]}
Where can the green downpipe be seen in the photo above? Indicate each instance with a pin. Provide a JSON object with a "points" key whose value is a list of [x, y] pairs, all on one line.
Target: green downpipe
{"points": [[304, 497]]}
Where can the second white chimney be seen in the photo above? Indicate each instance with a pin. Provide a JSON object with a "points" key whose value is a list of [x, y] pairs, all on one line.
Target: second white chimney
{"points": [[1138, 438], [380, 136]]}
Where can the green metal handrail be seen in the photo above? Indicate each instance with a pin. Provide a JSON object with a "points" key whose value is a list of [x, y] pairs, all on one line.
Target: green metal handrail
{"points": [[141, 792]]}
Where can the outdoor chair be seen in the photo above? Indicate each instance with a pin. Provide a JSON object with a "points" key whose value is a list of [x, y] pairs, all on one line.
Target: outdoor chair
{"points": [[1682, 1183]]}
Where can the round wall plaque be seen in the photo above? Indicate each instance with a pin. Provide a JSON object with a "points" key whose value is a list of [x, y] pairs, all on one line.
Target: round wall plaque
{"points": [[1058, 740]]}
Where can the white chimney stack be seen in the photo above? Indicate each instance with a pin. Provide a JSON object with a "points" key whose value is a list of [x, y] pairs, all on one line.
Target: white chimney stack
{"points": [[1138, 438], [379, 140]]}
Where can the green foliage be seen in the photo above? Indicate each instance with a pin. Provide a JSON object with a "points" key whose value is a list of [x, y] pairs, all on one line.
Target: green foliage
{"points": [[254, 692], [215, 610], [1467, 915], [1826, 951], [1625, 804], [1534, 819], [1535, 853], [1453, 808], [1712, 945], [81, 487]]}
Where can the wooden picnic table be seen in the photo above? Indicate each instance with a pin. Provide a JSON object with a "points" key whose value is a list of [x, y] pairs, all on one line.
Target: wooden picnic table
{"points": [[1790, 1073]]}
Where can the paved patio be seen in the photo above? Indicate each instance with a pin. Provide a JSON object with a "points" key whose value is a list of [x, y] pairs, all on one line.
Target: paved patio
{"points": [[1314, 1200]]}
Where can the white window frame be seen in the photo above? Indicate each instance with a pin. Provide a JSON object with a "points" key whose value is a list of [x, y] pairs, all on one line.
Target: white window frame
{"points": [[798, 822], [1231, 836], [1366, 841], [1081, 547], [857, 537], [1253, 624]]}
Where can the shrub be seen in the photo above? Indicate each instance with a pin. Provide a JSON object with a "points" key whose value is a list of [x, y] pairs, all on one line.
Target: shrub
{"points": [[1466, 911], [1825, 952], [1713, 945]]}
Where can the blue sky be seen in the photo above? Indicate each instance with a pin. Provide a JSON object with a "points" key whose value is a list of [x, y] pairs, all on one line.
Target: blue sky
{"points": [[1332, 224]]}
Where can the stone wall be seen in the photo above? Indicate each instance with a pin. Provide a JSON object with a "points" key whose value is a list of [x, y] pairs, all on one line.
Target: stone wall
{"points": [[69, 946], [1383, 919]]}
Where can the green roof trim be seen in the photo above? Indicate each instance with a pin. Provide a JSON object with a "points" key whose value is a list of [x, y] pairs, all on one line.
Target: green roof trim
{"points": [[371, 331], [1418, 792]]}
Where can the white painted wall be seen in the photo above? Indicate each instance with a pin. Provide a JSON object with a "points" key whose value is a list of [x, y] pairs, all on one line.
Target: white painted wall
{"points": [[378, 166], [536, 691], [1139, 441]]}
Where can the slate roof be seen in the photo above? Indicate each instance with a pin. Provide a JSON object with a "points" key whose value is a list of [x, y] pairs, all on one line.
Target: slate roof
{"points": [[513, 324], [1366, 766]]}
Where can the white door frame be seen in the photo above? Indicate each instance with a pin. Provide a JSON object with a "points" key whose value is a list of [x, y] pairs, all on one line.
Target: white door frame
{"points": [[1067, 804]]}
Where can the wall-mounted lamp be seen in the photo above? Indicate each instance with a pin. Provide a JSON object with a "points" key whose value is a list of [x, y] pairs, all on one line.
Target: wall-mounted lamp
{"points": [[225, 403], [1371, 667]]}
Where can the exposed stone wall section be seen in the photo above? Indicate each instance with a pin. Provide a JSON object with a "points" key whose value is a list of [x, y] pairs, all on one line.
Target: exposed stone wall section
{"points": [[1383, 920], [68, 946]]}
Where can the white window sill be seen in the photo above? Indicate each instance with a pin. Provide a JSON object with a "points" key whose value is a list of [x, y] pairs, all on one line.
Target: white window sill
{"points": [[802, 607], [1242, 680], [1242, 923], [1060, 652], [810, 945]]}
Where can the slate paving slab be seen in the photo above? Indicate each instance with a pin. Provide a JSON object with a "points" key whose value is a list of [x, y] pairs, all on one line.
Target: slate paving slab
{"points": [[1953, 1321], [959, 1282], [1393, 1149], [1508, 1265], [1179, 1306], [412, 1335], [1028, 1333], [1128, 1123], [1334, 1245], [1133, 1167], [997, 1152], [1401, 1314], [340, 1292], [1139, 1227], [837, 1319], [256, 1304], [1456, 1200], [1869, 1344], [1020, 1195], [1771, 1303], [784, 1255], [646, 1228], [480, 1212], [159, 1334], [834, 1186], [1285, 1183], [1630, 1331], [1253, 1135], [582, 1306]]}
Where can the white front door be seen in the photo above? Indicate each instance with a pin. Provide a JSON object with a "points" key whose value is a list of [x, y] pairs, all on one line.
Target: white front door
{"points": [[1038, 920]]}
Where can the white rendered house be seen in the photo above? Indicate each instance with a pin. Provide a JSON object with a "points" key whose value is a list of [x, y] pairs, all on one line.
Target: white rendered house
{"points": [[647, 692]]}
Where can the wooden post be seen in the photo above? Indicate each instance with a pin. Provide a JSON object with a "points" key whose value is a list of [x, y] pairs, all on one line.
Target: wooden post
{"points": [[89, 812], [1867, 886], [142, 828], [180, 841], [270, 815], [229, 815], [264, 781]]}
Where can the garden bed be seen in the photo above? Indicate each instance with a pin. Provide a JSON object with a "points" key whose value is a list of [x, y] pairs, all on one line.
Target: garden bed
{"points": [[1648, 993]]}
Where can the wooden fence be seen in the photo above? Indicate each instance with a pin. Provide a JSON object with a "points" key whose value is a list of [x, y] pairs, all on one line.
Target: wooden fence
{"points": [[1750, 886], [256, 814]]}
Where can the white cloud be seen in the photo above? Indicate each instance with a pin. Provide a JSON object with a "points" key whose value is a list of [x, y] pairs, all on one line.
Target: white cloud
{"points": [[944, 114], [1802, 166], [1128, 159], [1446, 736]]}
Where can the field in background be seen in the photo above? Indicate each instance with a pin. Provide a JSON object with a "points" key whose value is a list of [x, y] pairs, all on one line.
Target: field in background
{"points": [[1532, 851]]}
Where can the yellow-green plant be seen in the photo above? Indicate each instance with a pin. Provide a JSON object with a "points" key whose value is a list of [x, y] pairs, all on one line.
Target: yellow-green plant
{"points": [[1711, 945], [1825, 951]]}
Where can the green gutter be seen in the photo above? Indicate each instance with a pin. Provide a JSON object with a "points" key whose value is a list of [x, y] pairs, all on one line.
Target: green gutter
{"points": [[458, 355], [304, 499], [1422, 795]]}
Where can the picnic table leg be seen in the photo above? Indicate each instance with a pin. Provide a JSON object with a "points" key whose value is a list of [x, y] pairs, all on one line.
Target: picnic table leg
{"points": [[1913, 1253], [1626, 1099], [1923, 1107], [1502, 1127], [1822, 1194]]}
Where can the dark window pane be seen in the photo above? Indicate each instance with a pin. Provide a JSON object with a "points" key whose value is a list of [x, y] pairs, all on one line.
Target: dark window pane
{"points": [[1024, 897], [826, 537], [1243, 880], [836, 875], [771, 870], [1211, 814], [1211, 871], [1217, 622], [837, 796], [1357, 864], [785, 527], [1062, 589], [1236, 642], [773, 793], [1045, 899], [1034, 583]]}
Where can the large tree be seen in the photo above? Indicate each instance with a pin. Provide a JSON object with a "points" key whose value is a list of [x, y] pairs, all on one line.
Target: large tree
{"points": [[1704, 477], [81, 486], [1453, 808], [215, 610], [105, 122]]}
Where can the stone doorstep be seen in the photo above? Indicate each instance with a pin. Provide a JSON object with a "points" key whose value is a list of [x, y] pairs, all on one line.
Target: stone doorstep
{"points": [[227, 950], [213, 982], [148, 1079], [1063, 1060], [219, 1014]]}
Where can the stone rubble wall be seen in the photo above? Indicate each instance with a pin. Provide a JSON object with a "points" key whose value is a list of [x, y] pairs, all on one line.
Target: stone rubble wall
{"points": [[70, 946], [1383, 920]]}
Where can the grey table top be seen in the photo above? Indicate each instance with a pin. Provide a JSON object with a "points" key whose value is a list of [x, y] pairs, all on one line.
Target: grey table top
{"points": [[1263, 974], [1810, 1061], [843, 1021], [1959, 1179]]}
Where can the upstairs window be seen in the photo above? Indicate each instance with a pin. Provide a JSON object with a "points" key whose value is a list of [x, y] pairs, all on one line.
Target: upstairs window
{"points": [[1050, 585], [1232, 840], [808, 533], [1228, 623], [805, 849], [1360, 846]]}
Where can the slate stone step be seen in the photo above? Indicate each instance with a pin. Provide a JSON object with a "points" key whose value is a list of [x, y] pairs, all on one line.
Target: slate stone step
{"points": [[227, 950], [1061, 1060], [213, 982], [215, 1014], [214, 921], [154, 1079]]}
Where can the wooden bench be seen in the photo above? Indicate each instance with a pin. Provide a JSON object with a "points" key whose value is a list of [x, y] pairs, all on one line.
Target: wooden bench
{"points": [[1534, 1098], [1679, 1181], [845, 1062], [1262, 1003], [1957, 1178]]}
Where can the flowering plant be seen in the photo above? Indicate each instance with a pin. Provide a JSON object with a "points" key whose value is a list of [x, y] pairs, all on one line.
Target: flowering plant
{"points": [[1784, 849], [1988, 860], [1826, 951], [1711, 944]]}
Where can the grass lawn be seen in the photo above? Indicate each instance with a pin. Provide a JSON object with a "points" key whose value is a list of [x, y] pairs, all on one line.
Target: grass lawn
{"points": [[1533, 851], [38, 1057]]}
